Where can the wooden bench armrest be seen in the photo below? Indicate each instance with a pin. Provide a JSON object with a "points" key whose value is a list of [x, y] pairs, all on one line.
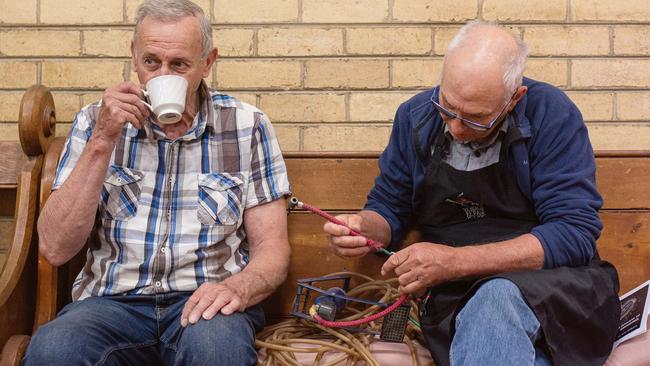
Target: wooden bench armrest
{"points": [[36, 130], [47, 294]]}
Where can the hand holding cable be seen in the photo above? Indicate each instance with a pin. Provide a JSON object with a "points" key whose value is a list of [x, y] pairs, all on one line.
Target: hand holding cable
{"points": [[373, 244]]}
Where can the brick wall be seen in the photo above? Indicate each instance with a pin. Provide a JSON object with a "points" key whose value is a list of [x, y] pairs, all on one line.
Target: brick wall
{"points": [[330, 73]]}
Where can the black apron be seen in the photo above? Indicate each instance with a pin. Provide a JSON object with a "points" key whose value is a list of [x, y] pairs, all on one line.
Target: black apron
{"points": [[578, 308]]}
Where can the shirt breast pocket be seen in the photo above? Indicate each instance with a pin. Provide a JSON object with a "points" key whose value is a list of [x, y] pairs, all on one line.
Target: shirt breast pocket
{"points": [[220, 196], [121, 193]]}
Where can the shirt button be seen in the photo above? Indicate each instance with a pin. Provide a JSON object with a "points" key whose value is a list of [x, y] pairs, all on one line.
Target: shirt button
{"points": [[163, 249], [158, 283], [119, 180]]}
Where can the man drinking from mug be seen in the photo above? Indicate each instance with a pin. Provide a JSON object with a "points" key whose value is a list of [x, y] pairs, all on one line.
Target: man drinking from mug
{"points": [[188, 218]]}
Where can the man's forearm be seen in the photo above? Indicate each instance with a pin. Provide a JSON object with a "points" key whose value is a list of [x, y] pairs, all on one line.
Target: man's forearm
{"points": [[263, 275], [69, 214], [522, 253]]}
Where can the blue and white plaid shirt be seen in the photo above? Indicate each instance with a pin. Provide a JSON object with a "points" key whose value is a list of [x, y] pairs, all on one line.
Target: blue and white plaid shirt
{"points": [[171, 212]]}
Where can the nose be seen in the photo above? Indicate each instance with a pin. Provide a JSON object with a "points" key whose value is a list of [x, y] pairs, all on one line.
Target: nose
{"points": [[455, 126]]}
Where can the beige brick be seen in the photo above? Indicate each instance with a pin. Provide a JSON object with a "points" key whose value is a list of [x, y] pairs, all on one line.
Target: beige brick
{"points": [[81, 11], [434, 11], [255, 11], [233, 41], [574, 41], [9, 132], [376, 107], [249, 98], [115, 43], [67, 105], [346, 138], [554, 72], [517, 10], [322, 107], [17, 74], [594, 106], [389, 41], [619, 136], [88, 98], [82, 74], [12, 11], [634, 40], [612, 73], [344, 11], [258, 74], [633, 106], [607, 10], [288, 137], [10, 106], [132, 6], [299, 42], [39, 43], [346, 73], [416, 73], [441, 39], [62, 129]]}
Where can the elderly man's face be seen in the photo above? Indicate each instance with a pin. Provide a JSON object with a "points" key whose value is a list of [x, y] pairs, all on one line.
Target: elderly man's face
{"points": [[473, 89], [171, 48]]}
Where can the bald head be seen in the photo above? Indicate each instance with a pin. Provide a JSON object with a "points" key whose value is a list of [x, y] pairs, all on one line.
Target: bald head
{"points": [[486, 58]]}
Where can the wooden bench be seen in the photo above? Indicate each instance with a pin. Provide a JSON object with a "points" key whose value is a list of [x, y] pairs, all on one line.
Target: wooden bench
{"points": [[339, 183], [20, 172]]}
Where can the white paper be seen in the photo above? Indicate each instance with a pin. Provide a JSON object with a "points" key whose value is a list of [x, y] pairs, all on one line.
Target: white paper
{"points": [[635, 306]]}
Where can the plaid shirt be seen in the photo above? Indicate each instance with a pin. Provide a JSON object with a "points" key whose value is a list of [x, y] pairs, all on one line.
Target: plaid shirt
{"points": [[171, 212]]}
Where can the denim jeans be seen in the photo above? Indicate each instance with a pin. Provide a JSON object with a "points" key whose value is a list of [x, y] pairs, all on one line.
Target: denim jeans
{"points": [[143, 330], [497, 327]]}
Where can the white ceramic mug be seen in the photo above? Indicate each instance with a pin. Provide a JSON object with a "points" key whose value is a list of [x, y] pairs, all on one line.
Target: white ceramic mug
{"points": [[166, 94]]}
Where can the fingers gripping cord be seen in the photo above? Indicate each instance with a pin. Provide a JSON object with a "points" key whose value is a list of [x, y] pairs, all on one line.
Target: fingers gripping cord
{"points": [[375, 245]]}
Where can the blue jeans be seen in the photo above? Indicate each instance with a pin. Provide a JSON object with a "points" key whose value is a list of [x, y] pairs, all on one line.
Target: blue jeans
{"points": [[143, 330], [497, 327]]}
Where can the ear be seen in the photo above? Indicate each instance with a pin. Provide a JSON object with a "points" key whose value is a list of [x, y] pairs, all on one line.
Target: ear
{"points": [[521, 91], [133, 56], [209, 61]]}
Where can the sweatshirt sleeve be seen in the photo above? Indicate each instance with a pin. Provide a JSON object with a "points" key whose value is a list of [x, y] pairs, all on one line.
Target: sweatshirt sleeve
{"points": [[563, 181], [392, 193]]}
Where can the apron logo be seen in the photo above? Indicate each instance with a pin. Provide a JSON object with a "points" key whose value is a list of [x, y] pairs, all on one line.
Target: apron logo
{"points": [[473, 210]]}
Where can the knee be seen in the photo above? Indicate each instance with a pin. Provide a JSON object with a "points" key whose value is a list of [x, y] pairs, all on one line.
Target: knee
{"points": [[223, 340], [494, 299], [53, 344]]}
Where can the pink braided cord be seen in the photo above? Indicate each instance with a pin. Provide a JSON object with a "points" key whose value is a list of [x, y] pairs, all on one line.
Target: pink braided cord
{"points": [[353, 323], [375, 245]]}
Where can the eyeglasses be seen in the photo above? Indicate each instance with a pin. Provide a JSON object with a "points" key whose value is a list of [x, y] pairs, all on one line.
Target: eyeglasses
{"points": [[468, 122]]}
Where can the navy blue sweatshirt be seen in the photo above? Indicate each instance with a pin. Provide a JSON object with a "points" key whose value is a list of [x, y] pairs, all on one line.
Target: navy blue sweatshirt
{"points": [[553, 160]]}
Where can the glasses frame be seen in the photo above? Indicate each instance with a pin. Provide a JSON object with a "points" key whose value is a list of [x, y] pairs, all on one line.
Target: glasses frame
{"points": [[468, 122]]}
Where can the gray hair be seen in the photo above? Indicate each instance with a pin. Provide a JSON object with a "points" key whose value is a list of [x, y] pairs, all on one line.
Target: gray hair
{"points": [[515, 62], [172, 10]]}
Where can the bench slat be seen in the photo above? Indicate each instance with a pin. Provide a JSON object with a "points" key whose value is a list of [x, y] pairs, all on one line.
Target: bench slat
{"points": [[625, 242], [10, 158], [332, 184], [621, 181]]}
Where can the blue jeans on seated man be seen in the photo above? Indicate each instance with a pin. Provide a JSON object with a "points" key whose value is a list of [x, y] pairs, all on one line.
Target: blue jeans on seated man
{"points": [[143, 330], [497, 327]]}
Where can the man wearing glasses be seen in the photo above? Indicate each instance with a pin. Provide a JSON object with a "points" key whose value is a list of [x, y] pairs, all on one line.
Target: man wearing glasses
{"points": [[498, 173]]}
